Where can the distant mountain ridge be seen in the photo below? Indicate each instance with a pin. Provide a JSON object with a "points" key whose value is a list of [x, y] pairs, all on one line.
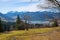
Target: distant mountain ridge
{"points": [[35, 16]]}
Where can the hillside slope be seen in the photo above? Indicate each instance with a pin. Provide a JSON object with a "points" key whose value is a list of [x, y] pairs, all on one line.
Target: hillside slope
{"points": [[33, 34]]}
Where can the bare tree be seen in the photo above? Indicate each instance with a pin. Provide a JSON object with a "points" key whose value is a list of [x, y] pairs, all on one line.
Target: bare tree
{"points": [[48, 4], [27, 19], [55, 2]]}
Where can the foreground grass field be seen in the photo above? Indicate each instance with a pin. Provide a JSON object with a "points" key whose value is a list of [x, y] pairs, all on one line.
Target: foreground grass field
{"points": [[33, 34]]}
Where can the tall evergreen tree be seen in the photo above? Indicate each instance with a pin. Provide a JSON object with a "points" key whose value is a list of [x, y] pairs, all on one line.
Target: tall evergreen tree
{"points": [[1, 28], [55, 23], [18, 21]]}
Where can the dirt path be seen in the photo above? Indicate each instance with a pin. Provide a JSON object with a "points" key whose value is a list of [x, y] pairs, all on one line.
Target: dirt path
{"points": [[55, 35]]}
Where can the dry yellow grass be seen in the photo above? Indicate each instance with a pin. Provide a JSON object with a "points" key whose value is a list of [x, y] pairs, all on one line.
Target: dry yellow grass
{"points": [[33, 34]]}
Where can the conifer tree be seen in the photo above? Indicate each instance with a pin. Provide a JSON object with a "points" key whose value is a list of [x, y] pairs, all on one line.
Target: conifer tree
{"points": [[18, 21], [1, 28], [55, 23]]}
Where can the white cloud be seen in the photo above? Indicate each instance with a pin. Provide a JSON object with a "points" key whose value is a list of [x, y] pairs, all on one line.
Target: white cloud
{"points": [[31, 7], [24, 0], [19, 0], [45, 4], [28, 0]]}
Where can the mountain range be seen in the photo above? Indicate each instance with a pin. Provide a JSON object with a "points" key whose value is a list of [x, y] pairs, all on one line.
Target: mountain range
{"points": [[34, 16]]}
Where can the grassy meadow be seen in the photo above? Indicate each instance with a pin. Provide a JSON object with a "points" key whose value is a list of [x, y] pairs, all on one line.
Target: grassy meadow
{"points": [[32, 34]]}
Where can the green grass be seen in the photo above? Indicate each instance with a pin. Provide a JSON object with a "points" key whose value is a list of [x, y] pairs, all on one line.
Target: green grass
{"points": [[31, 34]]}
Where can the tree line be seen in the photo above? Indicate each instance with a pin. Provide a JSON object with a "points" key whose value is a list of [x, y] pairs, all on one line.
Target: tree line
{"points": [[19, 24]]}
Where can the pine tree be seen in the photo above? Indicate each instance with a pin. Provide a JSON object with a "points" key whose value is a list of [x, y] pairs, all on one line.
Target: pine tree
{"points": [[55, 23], [18, 21], [1, 28]]}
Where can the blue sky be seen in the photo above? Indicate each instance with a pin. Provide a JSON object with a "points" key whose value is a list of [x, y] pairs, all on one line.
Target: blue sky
{"points": [[18, 5], [21, 5]]}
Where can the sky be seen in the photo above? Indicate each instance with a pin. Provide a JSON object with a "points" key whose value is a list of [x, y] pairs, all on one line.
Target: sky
{"points": [[22, 5]]}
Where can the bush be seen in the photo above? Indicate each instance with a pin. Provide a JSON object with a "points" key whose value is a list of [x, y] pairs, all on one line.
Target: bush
{"points": [[21, 28], [55, 23]]}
